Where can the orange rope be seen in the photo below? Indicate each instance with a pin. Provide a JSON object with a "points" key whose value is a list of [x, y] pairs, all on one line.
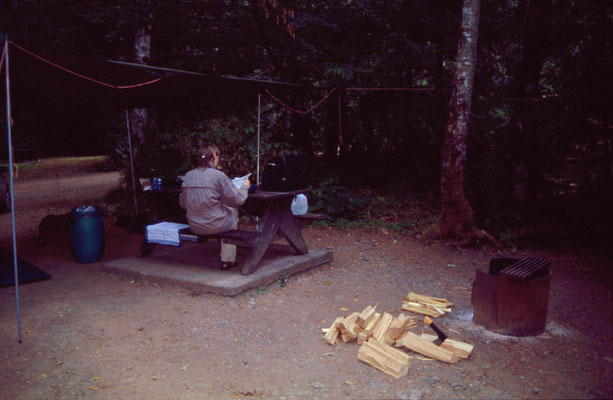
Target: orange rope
{"points": [[83, 76], [300, 111]]}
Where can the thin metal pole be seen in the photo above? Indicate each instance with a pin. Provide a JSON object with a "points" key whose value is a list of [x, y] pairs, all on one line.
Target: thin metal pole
{"points": [[131, 163], [257, 179], [10, 140]]}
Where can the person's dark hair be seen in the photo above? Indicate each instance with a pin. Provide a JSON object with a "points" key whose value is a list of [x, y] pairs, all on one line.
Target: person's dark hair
{"points": [[206, 154]]}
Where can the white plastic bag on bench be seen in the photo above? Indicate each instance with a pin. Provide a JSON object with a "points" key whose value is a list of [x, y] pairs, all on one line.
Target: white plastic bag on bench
{"points": [[300, 205], [165, 233]]}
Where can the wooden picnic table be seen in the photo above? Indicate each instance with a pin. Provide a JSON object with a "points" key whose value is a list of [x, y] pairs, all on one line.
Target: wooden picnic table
{"points": [[276, 219]]}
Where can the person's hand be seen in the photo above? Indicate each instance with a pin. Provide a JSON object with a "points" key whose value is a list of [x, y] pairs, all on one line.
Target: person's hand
{"points": [[246, 184]]}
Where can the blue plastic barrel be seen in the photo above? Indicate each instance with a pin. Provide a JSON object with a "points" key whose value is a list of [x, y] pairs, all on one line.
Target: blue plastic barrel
{"points": [[87, 235]]}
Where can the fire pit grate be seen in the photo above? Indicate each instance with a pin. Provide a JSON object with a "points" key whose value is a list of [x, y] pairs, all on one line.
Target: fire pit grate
{"points": [[527, 268]]}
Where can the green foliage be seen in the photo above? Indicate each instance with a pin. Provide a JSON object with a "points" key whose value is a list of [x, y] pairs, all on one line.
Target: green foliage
{"points": [[350, 209], [168, 154], [283, 278], [338, 201]]}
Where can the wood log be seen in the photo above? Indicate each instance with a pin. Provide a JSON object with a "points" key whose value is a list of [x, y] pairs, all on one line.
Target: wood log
{"points": [[365, 316], [368, 330], [362, 337], [422, 309], [385, 358], [348, 322], [380, 330], [398, 326], [429, 300], [373, 322], [346, 327], [461, 349], [400, 338], [331, 335], [413, 342]]}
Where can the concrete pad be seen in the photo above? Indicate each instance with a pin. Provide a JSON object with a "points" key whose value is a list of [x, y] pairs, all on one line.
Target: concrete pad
{"points": [[196, 266]]}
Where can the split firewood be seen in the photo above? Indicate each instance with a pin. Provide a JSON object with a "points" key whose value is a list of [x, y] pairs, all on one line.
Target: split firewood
{"points": [[362, 337], [349, 336], [368, 330], [347, 327], [422, 309], [397, 327], [399, 339], [348, 322], [382, 326], [427, 305], [419, 345], [331, 336], [365, 316], [461, 349], [385, 358], [435, 301]]}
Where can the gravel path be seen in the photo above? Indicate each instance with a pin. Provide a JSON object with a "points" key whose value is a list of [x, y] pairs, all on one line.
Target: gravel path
{"points": [[36, 199]]}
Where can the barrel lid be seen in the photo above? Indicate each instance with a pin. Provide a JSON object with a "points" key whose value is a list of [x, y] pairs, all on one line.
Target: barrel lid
{"points": [[86, 210]]}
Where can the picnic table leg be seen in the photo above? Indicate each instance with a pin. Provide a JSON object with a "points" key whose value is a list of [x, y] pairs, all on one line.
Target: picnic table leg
{"points": [[145, 249], [270, 226], [290, 229]]}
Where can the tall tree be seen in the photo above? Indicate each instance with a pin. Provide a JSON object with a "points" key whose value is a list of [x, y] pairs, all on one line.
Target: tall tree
{"points": [[142, 55], [456, 219]]}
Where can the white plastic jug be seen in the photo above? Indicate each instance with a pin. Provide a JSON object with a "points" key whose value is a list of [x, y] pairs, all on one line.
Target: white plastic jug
{"points": [[300, 205]]}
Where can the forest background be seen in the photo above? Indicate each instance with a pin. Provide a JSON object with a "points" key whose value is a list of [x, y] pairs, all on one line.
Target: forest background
{"points": [[538, 161]]}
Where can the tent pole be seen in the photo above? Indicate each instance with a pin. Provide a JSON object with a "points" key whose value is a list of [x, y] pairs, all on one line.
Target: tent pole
{"points": [[10, 140], [257, 178], [131, 163]]}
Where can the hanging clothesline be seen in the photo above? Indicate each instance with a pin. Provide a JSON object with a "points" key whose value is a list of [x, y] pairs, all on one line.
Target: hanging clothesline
{"points": [[84, 76], [352, 89], [340, 125], [302, 112]]}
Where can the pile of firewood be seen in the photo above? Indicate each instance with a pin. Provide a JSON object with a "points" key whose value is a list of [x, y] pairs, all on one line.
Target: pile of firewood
{"points": [[381, 336]]}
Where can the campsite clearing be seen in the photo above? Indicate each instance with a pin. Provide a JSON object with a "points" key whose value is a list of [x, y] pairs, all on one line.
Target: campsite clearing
{"points": [[88, 333]]}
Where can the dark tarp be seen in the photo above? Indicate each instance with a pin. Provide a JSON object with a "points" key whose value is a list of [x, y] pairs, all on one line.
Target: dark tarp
{"points": [[55, 98], [40, 82], [26, 272]]}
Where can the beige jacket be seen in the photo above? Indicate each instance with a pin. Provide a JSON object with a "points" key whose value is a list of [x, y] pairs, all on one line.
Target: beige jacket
{"points": [[207, 196]]}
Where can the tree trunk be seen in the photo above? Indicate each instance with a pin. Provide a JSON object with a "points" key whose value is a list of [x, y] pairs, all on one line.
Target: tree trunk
{"points": [[456, 219], [142, 55]]}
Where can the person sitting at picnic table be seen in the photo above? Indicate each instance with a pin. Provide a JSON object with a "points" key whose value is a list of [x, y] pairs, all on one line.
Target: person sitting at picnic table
{"points": [[211, 200]]}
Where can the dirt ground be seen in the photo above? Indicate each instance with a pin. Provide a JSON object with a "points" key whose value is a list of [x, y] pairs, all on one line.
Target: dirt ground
{"points": [[91, 334]]}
